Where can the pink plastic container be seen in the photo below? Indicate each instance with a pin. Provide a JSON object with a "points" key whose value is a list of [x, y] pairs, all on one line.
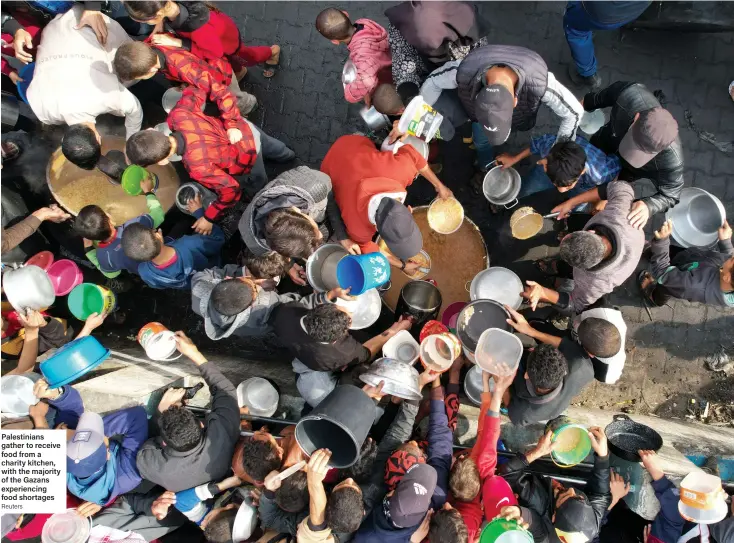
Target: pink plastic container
{"points": [[64, 275], [451, 315], [43, 260]]}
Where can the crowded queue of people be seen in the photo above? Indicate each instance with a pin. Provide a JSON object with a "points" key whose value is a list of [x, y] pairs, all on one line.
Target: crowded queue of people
{"points": [[149, 478]]}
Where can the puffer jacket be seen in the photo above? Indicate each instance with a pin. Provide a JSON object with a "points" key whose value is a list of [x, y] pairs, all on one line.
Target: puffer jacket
{"points": [[308, 190], [665, 170], [535, 495], [532, 82]]}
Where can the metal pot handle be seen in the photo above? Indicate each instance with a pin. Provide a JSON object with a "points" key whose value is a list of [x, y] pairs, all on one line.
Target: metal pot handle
{"points": [[488, 165], [432, 281], [467, 285], [621, 417], [511, 206], [382, 289]]}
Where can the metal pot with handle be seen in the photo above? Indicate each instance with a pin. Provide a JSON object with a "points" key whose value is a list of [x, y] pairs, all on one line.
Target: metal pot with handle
{"points": [[501, 185], [419, 300], [626, 437]]}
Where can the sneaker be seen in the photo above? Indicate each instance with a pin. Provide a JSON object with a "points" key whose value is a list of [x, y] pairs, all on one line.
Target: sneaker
{"points": [[592, 82], [118, 285], [246, 103]]}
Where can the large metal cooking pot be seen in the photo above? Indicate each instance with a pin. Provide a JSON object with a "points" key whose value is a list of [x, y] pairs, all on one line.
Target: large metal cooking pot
{"points": [[420, 300], [374, 119], [477, 317], [321, 266], [501, 185], [400, 378], [626, 437], [696, 218], [28, 287], [498, 284]]}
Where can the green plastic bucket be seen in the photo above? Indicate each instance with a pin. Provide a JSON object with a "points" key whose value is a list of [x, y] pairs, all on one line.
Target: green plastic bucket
{"points": [[505, 531], [572, 441], [133, 176], [89, 298]]}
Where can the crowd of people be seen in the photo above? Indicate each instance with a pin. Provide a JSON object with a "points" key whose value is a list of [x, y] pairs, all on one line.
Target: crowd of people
{"points": [[142, 478]]}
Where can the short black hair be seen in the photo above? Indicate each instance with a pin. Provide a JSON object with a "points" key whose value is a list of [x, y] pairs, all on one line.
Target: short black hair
{"points": [[147, 147], [599, 337], [292, 495], [267, 266], [220, 529], [134, 59], [344, 510], [180, 429], [259, 458], [80, 146], [582, 250], [92, 223], [333, 24], [140, 243], [143, 9], [546, 367], [361, 470], [231, 297], [447, 526], [327, 323], [566, 161], [290, 234], [387, 100]]}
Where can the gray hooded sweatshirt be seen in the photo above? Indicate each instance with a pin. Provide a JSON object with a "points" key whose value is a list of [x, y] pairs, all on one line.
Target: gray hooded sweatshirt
{"points": [[253, 321], [306, 189]]}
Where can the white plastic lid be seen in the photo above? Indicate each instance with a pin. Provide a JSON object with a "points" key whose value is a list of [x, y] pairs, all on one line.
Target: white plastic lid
{"points": [[498, 352], [66, 527]]}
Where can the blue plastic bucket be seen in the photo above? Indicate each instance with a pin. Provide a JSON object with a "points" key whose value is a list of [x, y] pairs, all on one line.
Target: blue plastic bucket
{"points": [[73, 360], [26, 74], [363, 272]]}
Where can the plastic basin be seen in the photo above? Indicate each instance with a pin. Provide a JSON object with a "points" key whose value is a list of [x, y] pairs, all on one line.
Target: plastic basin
{"points": [[64, 275], [73, 360], [259, 396], [28, 287], [572, 442], [17, 393], [43, 260], [498, 352], [363, 272], [89, 298], [133, 176], [505, 531], [451, 315]]}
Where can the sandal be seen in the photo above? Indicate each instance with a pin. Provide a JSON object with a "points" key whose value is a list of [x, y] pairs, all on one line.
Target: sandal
{"points": [[547, 266], [273, 64]]}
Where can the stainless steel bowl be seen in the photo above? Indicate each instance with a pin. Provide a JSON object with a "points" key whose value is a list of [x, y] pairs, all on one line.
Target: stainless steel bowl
{"points": [[401, 379], [28, 287], [374, 119], [473, 385], [498, 284], [501, 186], [321, 266], [696, 218]]}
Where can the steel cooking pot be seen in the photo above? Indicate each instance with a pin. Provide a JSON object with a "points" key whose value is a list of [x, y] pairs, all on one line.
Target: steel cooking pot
{"points": [[28, 287], [696, 218], [420, 300], [401, 378], [374, 119], [626, 437], [498, 284], [501, 185], [475, 318], [321, 266]]}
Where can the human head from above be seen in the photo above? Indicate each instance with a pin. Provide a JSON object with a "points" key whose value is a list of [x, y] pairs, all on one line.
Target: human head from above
{"points": [[135, 60], [218, 525], [361, 470], [565, 163], [93, 223], [400, 461], [387, 100], [652, 131], [334, 25], [232, 296], [494, 104], [546, 368], [292, 233], [584, 249], [600, 338], [261, 454], [82, 145], [140, 243], [327, 323], [573, 518], [87, 447], [447, 526], [292, 494], [464, 480], [149, 147], [397, 227], [148, 11], [407, 505], [344, 507], [180, 430], [267, 266]]}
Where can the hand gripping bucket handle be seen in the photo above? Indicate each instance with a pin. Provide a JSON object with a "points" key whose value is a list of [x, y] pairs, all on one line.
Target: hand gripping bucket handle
{"points": [[151, 333]]}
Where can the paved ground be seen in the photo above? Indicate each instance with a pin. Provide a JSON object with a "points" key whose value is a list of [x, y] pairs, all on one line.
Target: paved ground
{"points": [[304, 106]]}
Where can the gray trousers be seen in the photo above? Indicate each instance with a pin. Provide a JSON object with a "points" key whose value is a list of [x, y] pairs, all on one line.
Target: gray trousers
{"points": [[314, 386], [271, 149], [131, 513]]}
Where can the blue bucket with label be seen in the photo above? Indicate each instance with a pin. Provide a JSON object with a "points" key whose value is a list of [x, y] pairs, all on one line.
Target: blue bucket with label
{"points": [[363, 272]]}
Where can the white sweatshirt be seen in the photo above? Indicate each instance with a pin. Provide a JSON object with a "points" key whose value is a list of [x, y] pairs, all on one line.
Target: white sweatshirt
{"points": [[74, 80]]}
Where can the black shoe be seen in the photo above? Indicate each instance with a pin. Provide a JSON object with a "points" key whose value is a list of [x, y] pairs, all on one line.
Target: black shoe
{"points": [[592, 82]]}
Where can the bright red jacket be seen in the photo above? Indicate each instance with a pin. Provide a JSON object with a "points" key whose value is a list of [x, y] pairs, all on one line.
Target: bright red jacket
{"points": [[211, 33]]}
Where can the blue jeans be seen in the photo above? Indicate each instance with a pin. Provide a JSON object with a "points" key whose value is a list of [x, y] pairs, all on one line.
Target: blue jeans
{"points": [[485, 153], [579, 28]]}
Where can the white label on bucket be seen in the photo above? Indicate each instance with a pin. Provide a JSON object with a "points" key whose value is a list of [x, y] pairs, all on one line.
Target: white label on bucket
{"points": [[33, 474]]}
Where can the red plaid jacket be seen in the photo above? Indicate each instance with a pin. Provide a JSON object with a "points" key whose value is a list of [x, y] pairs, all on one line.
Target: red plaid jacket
{"points": [[209, 157], [213, 77]]}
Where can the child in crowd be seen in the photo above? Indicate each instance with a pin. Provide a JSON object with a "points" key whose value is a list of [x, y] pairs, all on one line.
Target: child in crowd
{"points": [[171, 265], [103, 241], [369, 52]]}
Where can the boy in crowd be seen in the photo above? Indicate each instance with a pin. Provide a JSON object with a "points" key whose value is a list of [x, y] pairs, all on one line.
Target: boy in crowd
{"points": [[569, 166], [369, 51], [284, 504], [171, 265], [696, 275], [103, 242]]}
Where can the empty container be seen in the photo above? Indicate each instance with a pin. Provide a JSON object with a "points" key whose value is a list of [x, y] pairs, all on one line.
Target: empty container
{"points": [[73, 360], [259, 396], [498, 352], [702, 498], [363, 272], [402, 346]]}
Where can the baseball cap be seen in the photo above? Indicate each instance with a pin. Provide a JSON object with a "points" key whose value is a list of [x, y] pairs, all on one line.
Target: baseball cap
{"points": [[653, 131], [86, 452], [493, 106], [497, 494], [397, 227], [575, 520], [412, 498]]}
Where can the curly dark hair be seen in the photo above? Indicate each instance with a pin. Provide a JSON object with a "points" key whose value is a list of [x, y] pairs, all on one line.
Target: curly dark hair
{"points": [[180, 429], [546, 367], [344, 510], [566, 161], [327, 323], [292, 496], [599, 337], [259, 458], [447, 526], [361, 470], [219, 530], [582, 250]]}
